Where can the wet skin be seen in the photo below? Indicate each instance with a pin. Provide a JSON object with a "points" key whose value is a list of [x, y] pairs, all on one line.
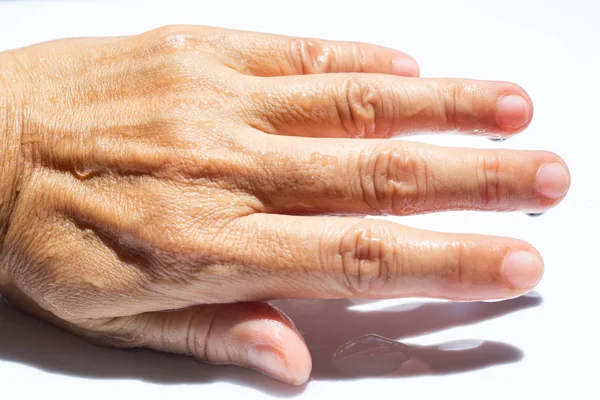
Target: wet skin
{"points": [[156, 189]]}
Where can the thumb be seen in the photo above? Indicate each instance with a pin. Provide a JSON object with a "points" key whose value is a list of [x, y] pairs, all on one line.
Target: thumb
{"points": [[253, 335]]}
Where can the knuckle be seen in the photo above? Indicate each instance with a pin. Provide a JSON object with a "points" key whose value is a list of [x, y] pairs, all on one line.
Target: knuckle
{"points": [[366, 258], [449, 95], [489, 181], [357, 57], [453, 273], [198, 330], [362, 107], [172, 39], [393, 181], [309, 56]]}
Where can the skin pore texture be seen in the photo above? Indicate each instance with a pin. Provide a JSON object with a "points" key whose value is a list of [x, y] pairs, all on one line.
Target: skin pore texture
{"points": [[158, 189]]}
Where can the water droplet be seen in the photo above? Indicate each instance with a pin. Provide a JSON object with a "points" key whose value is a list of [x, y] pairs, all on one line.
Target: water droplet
{"points": [[371, 355], [83, 173], [88, 233], [498, 139], [534, 214]]}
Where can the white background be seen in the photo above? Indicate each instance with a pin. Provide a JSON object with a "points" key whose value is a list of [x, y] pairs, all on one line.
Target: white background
{"points": [[536, 346]]}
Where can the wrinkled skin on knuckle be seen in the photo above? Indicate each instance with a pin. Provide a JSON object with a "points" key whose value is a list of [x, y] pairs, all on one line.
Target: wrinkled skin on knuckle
{"points": [[177, 333], [490, 190], [310, 56], [393, 180], [364, 107], [452, 271], [448, 101], [464, 267], [191, 38], [454, 107], [171, 39], [358, 58], [223, 44], [366, 259]]}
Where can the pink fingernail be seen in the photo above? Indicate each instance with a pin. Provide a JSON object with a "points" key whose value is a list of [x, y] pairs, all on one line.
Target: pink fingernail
{"points": [[522, 269], [269, 362], [512, 112], [405, 67], [552, 180]]}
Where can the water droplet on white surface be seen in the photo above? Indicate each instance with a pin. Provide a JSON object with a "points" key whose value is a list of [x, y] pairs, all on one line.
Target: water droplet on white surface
{"points": [[371, 355]]}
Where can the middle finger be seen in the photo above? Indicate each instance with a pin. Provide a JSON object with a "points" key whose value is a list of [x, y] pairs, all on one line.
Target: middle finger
{"points": [[392, 177]]}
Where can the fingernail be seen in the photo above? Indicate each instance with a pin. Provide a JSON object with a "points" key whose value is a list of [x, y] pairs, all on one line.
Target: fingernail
{"points": [[552, 180], [512, 112], [522, 269], [405, 67], [269, 362], [534, 214]]}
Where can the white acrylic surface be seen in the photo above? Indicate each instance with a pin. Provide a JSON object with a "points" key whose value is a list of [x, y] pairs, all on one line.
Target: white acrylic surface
{"points": [[536, 346]]}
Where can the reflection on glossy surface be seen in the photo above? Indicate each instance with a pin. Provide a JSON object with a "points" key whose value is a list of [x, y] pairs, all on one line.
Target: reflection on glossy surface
{"points": [[371, 355], [309, 306], [463, 344]]}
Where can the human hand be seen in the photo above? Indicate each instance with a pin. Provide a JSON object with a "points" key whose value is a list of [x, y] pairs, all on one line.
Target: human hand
{"points": [[195, 170]]}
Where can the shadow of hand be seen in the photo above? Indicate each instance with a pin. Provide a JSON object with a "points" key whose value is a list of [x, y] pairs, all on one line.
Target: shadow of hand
{"points": [[326, 324]]}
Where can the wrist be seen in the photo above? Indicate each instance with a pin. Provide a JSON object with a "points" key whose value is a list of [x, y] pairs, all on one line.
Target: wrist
{"points": [[11, 121]]}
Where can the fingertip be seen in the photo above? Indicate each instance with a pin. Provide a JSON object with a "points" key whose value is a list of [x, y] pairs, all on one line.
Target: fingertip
{"points": [[274, 347], [514, 108], [522, 269], [513, 112], [280, 353], [405, 66], [553, 178], [553, 181]]}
